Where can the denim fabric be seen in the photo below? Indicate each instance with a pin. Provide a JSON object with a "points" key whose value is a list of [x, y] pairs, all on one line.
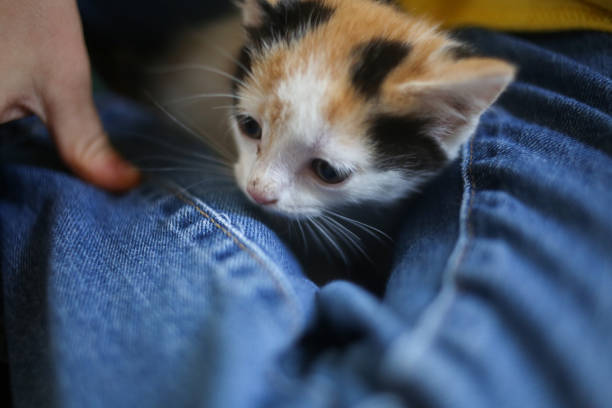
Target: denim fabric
{"points": [[500, 294]]}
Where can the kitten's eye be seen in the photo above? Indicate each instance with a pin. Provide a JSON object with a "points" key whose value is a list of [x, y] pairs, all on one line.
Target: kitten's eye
{"points": [[327, 173], [249, 127]]}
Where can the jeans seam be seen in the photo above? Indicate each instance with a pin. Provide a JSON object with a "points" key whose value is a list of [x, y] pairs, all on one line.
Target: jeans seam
{"points": [[469, 227], [258, 259], [231, 236], [413, 344]]}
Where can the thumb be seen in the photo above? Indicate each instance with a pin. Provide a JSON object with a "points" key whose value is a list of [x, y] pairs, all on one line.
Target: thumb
{"points": [[84, 145]]}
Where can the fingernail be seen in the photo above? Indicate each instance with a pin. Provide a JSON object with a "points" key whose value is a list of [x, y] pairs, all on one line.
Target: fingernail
{"points": [[119, 174]]}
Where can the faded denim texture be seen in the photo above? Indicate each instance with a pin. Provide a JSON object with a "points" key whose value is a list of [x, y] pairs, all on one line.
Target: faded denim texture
{"points": [[500, 295]]}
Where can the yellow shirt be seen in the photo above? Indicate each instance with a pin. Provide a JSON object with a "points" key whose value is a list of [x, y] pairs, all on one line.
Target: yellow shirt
{"points": [[518, 15]]}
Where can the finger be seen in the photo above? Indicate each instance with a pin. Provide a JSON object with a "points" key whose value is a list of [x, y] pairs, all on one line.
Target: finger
{"points": [[17, 102], [13, 113], [83, 144]]}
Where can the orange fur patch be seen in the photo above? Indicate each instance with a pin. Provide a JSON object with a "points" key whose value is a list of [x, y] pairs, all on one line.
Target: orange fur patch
{"points": [[332, 46]]}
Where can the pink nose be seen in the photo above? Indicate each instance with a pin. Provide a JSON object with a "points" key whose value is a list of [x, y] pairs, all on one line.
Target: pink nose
{"points": [[261, 198]]}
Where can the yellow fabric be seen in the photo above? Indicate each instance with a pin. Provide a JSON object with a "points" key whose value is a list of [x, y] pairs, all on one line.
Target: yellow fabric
{"points": [[523, 15]]}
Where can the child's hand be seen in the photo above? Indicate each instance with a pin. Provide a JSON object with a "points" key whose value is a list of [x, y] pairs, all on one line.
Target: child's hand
{"points": [[44, 70]]}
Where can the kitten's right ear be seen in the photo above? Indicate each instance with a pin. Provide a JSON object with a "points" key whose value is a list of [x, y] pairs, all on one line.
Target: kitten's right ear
{"points": [[254, 11], [458, 94]]}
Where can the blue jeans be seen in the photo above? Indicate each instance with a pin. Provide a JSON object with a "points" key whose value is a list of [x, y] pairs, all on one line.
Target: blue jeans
{"points": [[500, 293]]}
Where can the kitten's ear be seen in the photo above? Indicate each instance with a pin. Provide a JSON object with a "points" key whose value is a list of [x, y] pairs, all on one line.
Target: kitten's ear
{"points": [[254, 11], [459, 94], [468, 86]]}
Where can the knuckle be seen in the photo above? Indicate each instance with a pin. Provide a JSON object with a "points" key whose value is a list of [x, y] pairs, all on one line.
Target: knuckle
{"points": [[88, 148], [81, 152]]}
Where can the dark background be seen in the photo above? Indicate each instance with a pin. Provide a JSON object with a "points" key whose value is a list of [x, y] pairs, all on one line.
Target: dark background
{"points": [[123, 36]]}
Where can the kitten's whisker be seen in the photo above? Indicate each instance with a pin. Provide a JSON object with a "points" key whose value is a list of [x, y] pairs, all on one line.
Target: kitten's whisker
{"points": [[194, 185], [249, 74], [373, 231], [190, 162], [193, 158], [172, 147], [339, 225], [244, 68], [309, 228], [201, 96], [186, 67], [230, 57], [197, 188], [315, 232], [220, 150], [352, 239], [176, 189], [299, 223], [174, 169], [227, 107], [326, 233]]}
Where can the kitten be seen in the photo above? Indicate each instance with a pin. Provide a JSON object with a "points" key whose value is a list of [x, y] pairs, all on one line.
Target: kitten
{"points": [[350, 102], [340, 105]]}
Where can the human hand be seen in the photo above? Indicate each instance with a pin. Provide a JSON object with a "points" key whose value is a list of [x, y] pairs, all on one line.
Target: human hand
{"points": [[44, 70]]}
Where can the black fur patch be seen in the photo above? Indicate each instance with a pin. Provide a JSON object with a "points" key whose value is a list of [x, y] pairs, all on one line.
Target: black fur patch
{"points": [[402, 143], [288, 20], [375, 60]]}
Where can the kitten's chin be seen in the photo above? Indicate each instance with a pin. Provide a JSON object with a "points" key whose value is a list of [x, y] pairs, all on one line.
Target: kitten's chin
{"points": [[290, 213]]}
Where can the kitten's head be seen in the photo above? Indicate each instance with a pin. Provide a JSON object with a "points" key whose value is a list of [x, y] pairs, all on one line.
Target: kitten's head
{"points": [[342, 102]]}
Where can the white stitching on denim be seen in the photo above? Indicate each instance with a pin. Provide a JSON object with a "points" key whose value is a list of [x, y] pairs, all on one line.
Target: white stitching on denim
{"points": [[413, 344], [283, 287]]}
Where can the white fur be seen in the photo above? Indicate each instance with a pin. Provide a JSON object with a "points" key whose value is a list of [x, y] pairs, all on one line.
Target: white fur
{"points": [[300, 132], [283, 172]]}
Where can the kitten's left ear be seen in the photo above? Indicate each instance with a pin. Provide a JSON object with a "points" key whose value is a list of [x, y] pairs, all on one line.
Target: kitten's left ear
{"points": [[457, 96], [254, 11]]}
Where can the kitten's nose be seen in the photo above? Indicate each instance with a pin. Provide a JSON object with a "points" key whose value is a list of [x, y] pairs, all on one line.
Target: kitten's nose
{"points": [[261, 198]]}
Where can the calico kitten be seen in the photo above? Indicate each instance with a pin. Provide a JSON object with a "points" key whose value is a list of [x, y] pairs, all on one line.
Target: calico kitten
{"points": [[339, 107], [350, 102]]}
